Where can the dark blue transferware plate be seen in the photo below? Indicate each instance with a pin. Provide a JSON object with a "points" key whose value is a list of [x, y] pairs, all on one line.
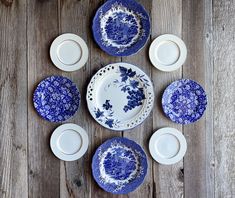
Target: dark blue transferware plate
{"points": [[119, 165], [56, 98], [121, 27], [184, 101]]}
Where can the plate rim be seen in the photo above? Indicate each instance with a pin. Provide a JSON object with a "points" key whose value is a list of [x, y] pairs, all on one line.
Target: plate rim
{"points": [[139, 182], [94, 28], [181, 45], [58, 131], [183, 145], [34, 98], [150, 90], [84, 54], [184, 79]]}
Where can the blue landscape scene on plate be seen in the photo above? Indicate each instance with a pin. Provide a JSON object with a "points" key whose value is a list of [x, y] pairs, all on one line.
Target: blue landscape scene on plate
{"points": [[133, 86], [184, 101], [121, 27], [119, 165], [56, 98]]}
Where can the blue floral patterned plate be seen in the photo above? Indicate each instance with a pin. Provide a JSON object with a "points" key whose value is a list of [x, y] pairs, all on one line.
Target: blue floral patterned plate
{"points": [[56, 98], [121, 27], [120, 96], [184, 101], [119, 165]]}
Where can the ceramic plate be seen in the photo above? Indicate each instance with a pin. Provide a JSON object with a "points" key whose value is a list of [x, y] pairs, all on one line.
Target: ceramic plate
{"points": [[167, 146], [120, 96], [167, 52], [56, 98], [69, 142], [184, 101], [69, 52], [121, 27], [119, 165]]}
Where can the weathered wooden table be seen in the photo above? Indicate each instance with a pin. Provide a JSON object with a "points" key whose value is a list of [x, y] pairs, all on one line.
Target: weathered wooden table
{"points": [[27, 166]]}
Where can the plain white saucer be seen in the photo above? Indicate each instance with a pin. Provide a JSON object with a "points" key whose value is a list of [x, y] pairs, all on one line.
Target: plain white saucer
{"points": [[167, 146], [69, 52], [69, 142], [167, 52]]}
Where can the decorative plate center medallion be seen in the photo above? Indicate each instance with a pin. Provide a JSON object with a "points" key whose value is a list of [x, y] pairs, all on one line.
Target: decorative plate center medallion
{"points": [[120, 27]]}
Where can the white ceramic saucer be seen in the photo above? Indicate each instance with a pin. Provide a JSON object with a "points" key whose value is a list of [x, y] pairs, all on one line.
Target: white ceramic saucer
{"points": [[69, 142], [69, 52], [167, 146], [167, 52]]}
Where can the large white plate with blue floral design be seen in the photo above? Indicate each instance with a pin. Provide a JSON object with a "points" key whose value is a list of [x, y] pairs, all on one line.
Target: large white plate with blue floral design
{"points": [[120, 96]]}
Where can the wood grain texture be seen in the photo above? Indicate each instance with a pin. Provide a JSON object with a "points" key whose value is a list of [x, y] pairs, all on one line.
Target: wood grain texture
{"points": [[27, 166], [43, 166], [166, 18], [198, 162], [75, 177], [224, 97], [13, 101]]}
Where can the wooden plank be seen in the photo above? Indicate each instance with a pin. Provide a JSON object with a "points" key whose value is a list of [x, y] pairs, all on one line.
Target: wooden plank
{"points": [[224, 97], [13, 100], [198, 163], [44, 167], [166, 18], [75, 176], [141, 133]]}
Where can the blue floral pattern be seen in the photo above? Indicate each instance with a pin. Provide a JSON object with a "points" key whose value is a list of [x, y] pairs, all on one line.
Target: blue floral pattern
{"points": [[130, 102], [119, 165], [184, 101], [105, 115], [107, 105], [134, 89], [56, 98], [121, 27]]}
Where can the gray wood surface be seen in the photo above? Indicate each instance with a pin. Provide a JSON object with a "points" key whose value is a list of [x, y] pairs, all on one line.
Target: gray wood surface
{"points": [[13, 100], [198, 162], [166, 18], [43, 167], [224, 97], [27, 166]]}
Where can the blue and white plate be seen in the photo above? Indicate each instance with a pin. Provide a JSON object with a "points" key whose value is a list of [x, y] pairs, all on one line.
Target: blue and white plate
{"points": [[184, 101], [56, 98], [121, 27], [120, 96], [119, 165]]}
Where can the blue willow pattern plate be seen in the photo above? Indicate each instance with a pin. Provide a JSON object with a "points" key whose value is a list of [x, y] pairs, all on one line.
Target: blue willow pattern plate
{"points": [[56, 98], [184, 101], [119, 165], [121, 27], [120, 96]]}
